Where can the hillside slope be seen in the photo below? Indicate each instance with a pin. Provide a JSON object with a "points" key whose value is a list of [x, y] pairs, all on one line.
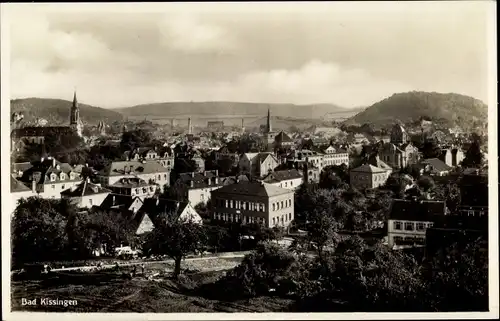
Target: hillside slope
{"points": [[56, 111], [456, 109], [214, 109]]}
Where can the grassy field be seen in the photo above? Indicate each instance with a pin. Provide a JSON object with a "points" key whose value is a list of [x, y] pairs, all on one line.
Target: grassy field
{"points": [[106, 291]]}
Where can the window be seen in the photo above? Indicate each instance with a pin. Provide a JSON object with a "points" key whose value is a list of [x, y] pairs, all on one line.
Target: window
{"points": [[159, 177], [409, 226], [291, 183], [165, 176], [429, 225], [285, 184], [274, 207], [281, 204], [144, 190], [397, 225], [274, 221], [53, 177], [62, 187], [398, 240], [420, 226], [53, 187], [90, 201], [289, 216], [137, 191], [231, 204], [202, 197]]}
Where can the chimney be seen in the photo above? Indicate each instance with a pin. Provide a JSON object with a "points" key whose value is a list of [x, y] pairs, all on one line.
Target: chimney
{"points": [[216, 180], [209, 181], [33, 185], [131, 168], [53, 162], [177, 205], [191, 183], [42, 159], [204, 173], [88, 179], [114, 200], [192, 174], [216, 172]]}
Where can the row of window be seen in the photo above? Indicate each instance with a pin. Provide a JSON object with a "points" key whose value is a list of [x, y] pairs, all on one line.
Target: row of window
{"points": [[281, 205], [286, 184], [247, 206], [284, 218], [411, 226], [230, 217], [409, 240], [62, 176]]}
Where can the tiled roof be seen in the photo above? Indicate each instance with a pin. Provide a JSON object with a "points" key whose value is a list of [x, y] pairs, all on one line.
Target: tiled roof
{"points": [[252, 189], [261, 157], [85, 189], [417, 210], [233, 179], [367, 168], [251, 156], [283, 175], [17, 186], [130, 182], [138, 168], [200, 180], [21, 166], [436, 164], [45, 168], [155, 206], [282, 137], [303, 153], [119, 201]]}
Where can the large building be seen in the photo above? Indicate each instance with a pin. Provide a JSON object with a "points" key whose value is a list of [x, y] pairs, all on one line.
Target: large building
{"points": [[335, 156], [254, 202], [150, 171], [37, 134], [49, 177], [288, 179], [86, 194], [196, 187], [257, 164], [409, 220], [399, 152]]}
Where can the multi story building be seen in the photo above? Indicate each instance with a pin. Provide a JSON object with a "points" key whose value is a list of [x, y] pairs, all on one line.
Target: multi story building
{"points": [[133, 186], [288, 179], [313, 158], [254, 202], [49, 177], [452, 156], [257, 164], [409, 220], [335, 156], [399, 152], [195, 187], [150, 171], [370, 175], [86, 194], [282, 140], [434, 167]]}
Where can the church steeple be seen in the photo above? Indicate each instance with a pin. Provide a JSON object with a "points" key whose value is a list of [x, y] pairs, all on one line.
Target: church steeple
{"points": [[269, 127], [75, 111]]}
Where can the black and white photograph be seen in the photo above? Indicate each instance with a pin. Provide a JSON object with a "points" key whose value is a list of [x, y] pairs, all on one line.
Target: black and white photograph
{"points": [[249, 160]]}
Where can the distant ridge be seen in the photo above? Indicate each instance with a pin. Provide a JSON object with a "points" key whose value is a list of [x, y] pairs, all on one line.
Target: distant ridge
{"points": [[454, 109], [216, 108], [56, 111]]}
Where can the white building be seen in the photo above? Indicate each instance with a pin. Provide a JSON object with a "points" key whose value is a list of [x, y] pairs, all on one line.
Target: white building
{"points": [[86, 194], [409, 220], [288, 179], [335, 156]]}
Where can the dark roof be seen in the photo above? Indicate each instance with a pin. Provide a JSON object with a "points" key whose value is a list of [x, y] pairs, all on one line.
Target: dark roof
{"points": [[233, 179], [282, 137], [200, 180], [130, 182], [85, 189], [122, 168], [261, 157], [40, 131], [45, 168], [155, 206], [367, 168], [21, 166], [252, 189], [283, 175], [118, 201], [17, 186], [416, 210], [436, 165]]}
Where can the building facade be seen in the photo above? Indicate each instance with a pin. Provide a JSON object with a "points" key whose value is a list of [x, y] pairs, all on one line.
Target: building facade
{"points": [[288, 179], [254, 202], [335, 156], [368, 176], [86, 194]]}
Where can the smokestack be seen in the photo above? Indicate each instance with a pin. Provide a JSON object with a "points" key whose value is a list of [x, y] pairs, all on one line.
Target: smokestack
{"points": [[190, 129]]}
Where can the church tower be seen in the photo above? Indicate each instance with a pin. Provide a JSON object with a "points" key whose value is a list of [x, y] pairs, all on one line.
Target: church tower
{"points": [[74, 122], [270, 136]]}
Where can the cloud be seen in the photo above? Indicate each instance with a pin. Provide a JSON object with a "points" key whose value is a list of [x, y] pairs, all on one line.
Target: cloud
{"points": [[186, 33]]}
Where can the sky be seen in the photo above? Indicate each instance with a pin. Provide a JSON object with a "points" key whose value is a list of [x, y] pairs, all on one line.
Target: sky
{"points": [[348, 54]]}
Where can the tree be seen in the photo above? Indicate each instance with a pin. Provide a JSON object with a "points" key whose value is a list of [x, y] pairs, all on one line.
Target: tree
{"points": [[431, 149], [322, 232], [175, 238], [396, 184], [39, 230], [426, 184], [134, 139], [474, 157]]}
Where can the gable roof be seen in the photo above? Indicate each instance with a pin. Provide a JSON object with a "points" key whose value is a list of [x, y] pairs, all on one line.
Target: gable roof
{"points": [[283, 175], [261, 157], [155, 206], [423, 210], [45, 168], [252, 189], [17, 186], [200, 180], [436, 164], [233, 179], [282, 137], [119, 201], [367, 168], [85, 189], [131, 182]]}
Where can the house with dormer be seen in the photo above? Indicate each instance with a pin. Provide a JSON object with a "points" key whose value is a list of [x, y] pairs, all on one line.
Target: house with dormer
{"points": [[49, 177], [86, 194], [335, 156], [150, 171], [288, 179], [195, 187]]}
